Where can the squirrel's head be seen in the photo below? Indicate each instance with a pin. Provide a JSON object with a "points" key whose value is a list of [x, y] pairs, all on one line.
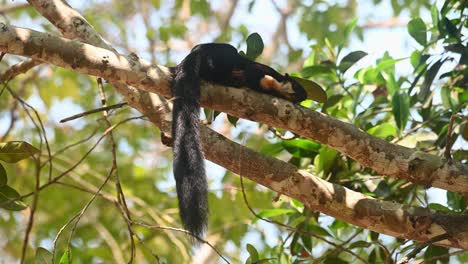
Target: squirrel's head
{"points": [[291, 89]]}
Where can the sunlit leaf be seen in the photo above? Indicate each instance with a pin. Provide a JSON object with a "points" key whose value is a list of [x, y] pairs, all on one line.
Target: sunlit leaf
{"points": [[324, 161], [43, 256], [14, 151], [383, 130], [64, 258], [273, 212]]}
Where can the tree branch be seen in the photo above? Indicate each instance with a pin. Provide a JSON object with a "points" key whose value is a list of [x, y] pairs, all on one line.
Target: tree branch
{"points": [[414, 223], [381, 156]]}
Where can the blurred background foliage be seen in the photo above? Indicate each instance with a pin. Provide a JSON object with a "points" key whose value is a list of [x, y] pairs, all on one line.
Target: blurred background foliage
{"points": [[396, 69]]}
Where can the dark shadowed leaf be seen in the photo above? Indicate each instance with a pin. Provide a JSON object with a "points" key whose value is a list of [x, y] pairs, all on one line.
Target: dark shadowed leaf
{"points": [[360, 244], [400, 108], [417, 29], [254, 46], [3, 176], [350, 59], [8, 198], [253, 253], [314, 90], [429, 78], [15, 151], [232, 119], [436, 251]]}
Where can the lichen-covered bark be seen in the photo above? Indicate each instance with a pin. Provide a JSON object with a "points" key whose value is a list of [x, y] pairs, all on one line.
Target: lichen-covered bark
{"points": [[381, 156]]}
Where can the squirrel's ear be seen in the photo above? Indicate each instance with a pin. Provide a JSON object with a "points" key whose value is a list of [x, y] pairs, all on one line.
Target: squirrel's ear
{"points": [[286, 75]]}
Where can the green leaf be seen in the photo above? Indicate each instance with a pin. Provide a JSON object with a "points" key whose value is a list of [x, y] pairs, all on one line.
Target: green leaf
{"points": [[64, 258], [417, 29], [332, 101], [314, 90], [359, 244], [271, 149], [383, 190], [456, 201], [8, 199], [448, 100], [267, 213], [297, 205], [3, 176], [318, 230], [383, 130], [464, 130], [43, 256], [400, 108], [253, 253], [319, 69], [334, 260], [428, 79], [436, 251], [254, 46], [233, 120], [350, 27], [350, 59], [14, 151], [439, 207], [324, 161], [301, 147], [434, 14], [451, 28]]}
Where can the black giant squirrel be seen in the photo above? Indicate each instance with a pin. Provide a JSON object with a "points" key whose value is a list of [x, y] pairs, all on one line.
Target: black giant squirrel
{"points": [[220, 64]]}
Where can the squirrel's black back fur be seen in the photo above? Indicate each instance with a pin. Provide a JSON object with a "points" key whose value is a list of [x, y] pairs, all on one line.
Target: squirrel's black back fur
{"points": [[218, 63]]}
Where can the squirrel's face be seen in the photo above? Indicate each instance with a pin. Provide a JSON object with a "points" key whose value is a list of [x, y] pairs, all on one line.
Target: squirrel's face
{"points": [[291, 89]]}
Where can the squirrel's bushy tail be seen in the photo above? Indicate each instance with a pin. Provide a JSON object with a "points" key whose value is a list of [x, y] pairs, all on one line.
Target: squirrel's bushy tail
{"points": [[189, 169]]}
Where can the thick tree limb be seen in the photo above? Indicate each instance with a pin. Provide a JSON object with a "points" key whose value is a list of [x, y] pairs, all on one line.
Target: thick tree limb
{"points": [[381, 156]]}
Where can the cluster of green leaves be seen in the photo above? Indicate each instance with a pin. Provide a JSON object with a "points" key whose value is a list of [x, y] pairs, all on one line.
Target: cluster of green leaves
{"points": [[385, 105], [12, 152]]}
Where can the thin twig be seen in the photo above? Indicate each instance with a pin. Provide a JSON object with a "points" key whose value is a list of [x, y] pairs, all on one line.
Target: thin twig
{"points": [[57, 178], [279, 135], [201, 240], [421, 246], [100, 109], [448, 141], [120, 193]]}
